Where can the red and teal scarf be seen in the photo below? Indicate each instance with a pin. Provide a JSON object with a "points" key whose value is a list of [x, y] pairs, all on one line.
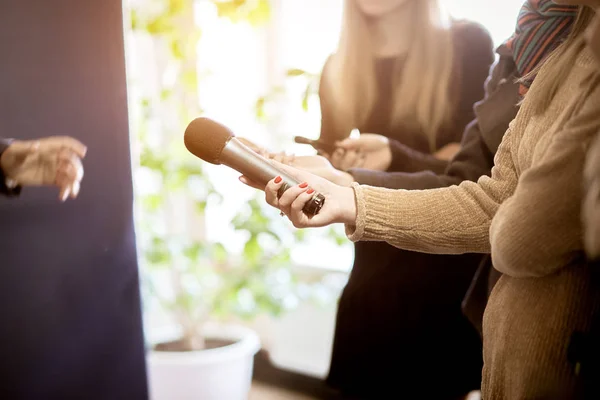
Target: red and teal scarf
{"points": [[542, 26]]}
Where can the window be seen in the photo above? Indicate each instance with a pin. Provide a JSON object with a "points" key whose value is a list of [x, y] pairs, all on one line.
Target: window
{"points": [[241, 63]]}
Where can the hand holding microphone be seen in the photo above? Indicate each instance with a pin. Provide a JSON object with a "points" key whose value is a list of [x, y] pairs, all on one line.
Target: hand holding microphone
{"points": [[216, 144]]}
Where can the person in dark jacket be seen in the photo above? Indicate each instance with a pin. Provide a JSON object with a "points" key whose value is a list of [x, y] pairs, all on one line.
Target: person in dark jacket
{"points": [[49, 161], [397, 302], [588, 355], [405, 71]]}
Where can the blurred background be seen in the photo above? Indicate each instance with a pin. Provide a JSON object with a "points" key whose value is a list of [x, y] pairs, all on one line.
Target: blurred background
{"points": [[211, 252]]}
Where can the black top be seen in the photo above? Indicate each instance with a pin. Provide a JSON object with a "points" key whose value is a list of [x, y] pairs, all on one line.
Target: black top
{"points": [[473, 56], [399, 327]]}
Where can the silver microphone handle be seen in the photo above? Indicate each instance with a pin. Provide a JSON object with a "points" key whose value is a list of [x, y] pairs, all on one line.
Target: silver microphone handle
{"points": [[240, 157]]}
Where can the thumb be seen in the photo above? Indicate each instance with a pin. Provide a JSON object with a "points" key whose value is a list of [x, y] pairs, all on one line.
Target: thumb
{"points": [[20, 150]]}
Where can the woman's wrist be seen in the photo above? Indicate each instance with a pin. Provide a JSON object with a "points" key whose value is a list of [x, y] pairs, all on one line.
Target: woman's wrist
{"points": [[348, 208], [344, 178]]}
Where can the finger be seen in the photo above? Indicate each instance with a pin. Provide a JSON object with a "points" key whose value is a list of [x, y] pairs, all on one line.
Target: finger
{"points": [[21, 149], [301, 220], [337, 157], [66, 171], [279, 157], [290, 159], [67, 157], [290, 195], [64, 193], [348, 144], [72, 144], [65, 180], [297, 215], [360, 161], [75, 189], [246, 181], [271, 191], [350, 159]]}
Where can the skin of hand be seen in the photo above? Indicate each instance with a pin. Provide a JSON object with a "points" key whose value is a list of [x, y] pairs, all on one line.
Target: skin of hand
{"points": [[339, 207], [369, 151], [321, 166], [448, 151], [54, 160]]}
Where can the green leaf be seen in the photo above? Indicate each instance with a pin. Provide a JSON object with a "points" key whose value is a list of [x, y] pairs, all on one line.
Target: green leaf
{"points": [[306, 97], [153, 202], [190, 80], [296, 72], [300, 234], [201, 207], [260, 14], [219, 253], [192, 252], [177, 49], [158, 254], [160, 25], [252, 249], [165, 94], [259, 108], [134, 20], [177, 6], [145, 103]]}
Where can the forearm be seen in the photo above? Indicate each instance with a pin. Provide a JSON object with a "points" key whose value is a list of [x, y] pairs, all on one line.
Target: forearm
{"points": [[452, 220], [402, 180], [405, 159], [546, 206]]}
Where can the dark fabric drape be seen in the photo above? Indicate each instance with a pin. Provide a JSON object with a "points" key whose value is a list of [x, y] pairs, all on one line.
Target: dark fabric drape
{"points": [[70, 320]]}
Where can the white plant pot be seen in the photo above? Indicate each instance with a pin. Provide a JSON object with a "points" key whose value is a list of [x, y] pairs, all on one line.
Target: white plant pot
{"points": [[223, 373]]}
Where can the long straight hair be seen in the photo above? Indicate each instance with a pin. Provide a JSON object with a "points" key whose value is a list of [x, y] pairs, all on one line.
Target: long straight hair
{"points": [[421, 82], [558, 65]]}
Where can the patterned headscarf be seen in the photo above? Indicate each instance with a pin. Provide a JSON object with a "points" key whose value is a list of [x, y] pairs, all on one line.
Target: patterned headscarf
{"points": [[541, 27]]}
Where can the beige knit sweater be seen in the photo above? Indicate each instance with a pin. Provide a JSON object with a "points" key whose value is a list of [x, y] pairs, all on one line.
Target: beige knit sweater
{"points": [[527, 215]]}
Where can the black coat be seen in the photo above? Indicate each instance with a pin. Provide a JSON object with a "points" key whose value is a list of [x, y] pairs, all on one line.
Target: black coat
{"points": [[71, 325], [399, 326]]}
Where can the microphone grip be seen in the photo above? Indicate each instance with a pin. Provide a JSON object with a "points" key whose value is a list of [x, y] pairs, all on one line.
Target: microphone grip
{"points": [[238, 156]]}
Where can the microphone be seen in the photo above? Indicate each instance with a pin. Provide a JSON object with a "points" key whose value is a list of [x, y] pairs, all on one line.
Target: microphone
{"points": [[216, 144]]}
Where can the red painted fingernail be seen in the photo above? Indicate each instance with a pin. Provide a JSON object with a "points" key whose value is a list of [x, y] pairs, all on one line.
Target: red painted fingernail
{"points": [[310, 191], [303, 185], [278, 179]]}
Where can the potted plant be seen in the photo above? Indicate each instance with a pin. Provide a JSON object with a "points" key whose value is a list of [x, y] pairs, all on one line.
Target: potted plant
{"points": [[191, 279], [205, 284]]}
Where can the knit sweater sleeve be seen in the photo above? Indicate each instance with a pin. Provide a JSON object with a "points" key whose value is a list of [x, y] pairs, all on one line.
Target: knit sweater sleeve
{"points": [[451, 220], [545, 208]]}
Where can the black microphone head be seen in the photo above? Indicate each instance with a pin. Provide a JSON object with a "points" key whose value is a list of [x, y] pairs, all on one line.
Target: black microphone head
{"points": [[206, 139]]}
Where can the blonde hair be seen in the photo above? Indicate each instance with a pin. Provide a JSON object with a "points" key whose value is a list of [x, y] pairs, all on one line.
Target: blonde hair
{"points": [[558, 65], [421, 82]]}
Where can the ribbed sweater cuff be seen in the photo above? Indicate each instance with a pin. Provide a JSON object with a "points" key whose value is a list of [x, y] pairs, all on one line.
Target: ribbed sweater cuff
{"points": [[372, 210]]}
